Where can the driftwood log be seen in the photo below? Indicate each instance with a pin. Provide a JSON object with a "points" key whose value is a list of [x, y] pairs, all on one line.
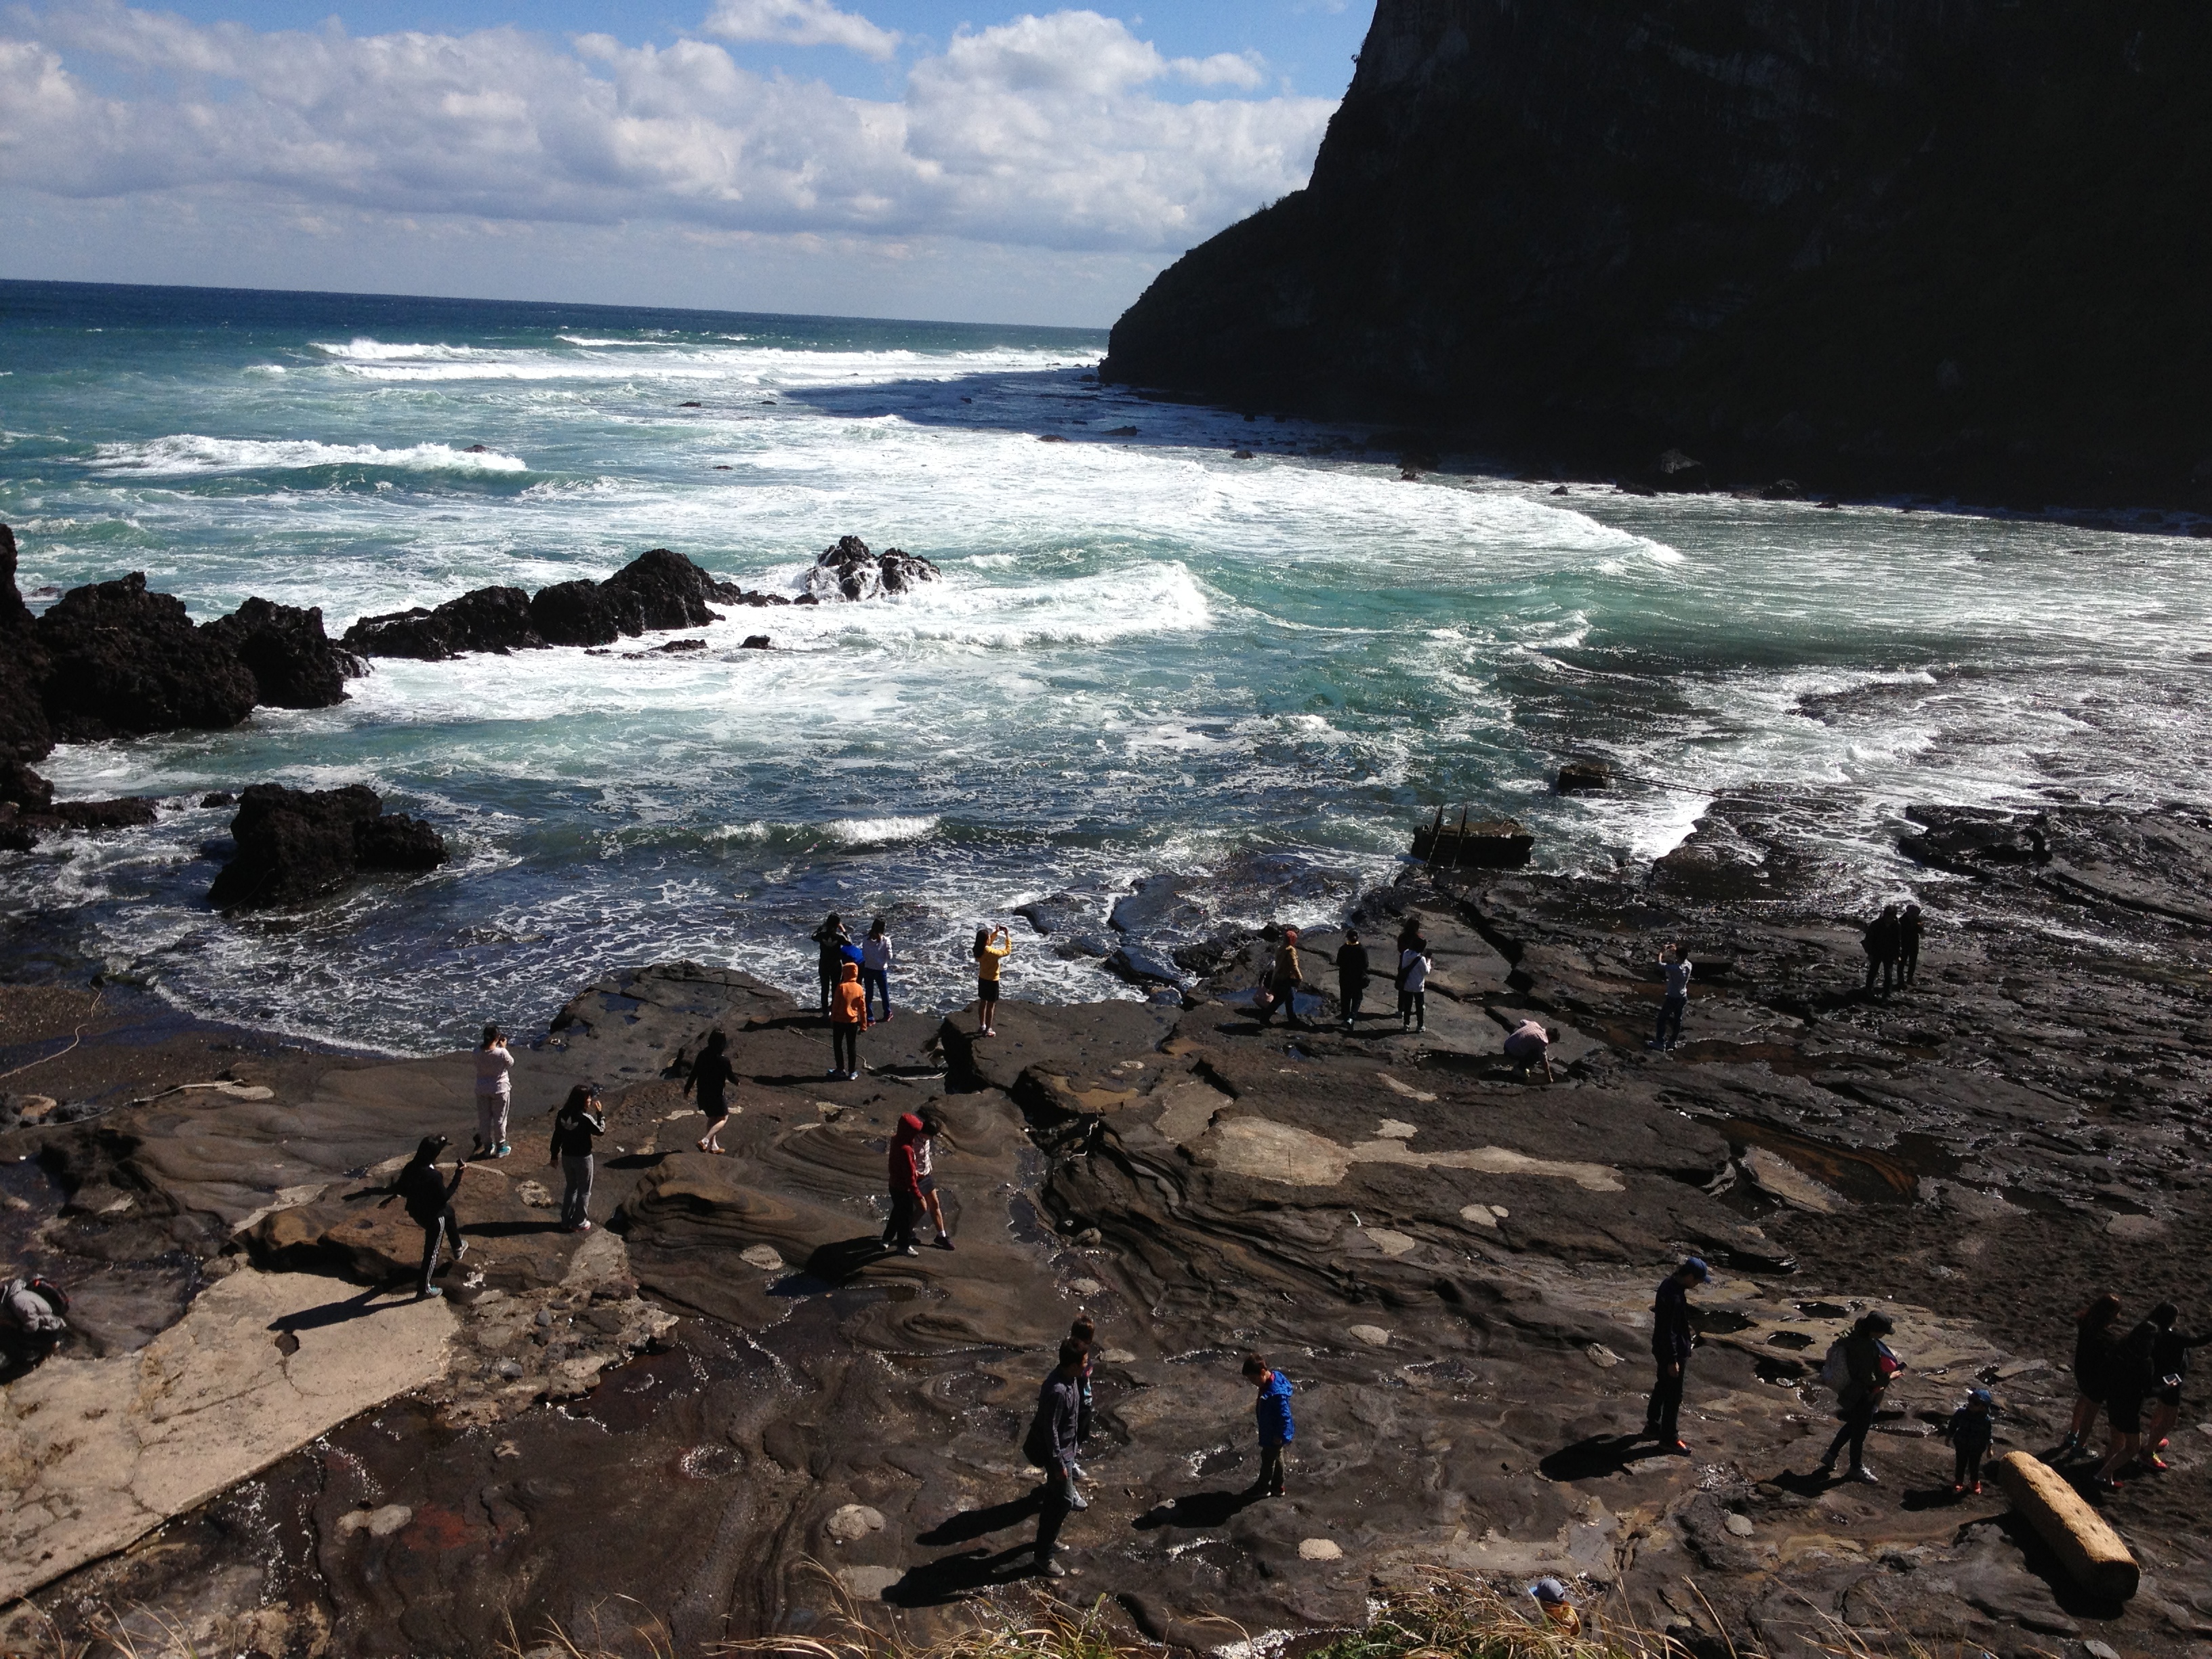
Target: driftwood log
{"points": [[2085, 1543]]}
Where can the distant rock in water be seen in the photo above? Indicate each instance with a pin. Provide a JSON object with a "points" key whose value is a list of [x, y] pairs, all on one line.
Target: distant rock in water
{"points": [[295, 845], [849, 571], [657, 590], [1889, 246], [485, 619], [125, 662], [29, 809], [294, 663], [23, 730]]}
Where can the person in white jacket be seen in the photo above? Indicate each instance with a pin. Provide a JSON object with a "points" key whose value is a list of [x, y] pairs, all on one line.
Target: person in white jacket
{"points": [[1414, 965], [495, 1089], [876, 955]]}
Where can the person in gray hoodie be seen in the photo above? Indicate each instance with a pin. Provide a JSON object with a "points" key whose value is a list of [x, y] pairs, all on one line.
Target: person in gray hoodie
{"points": [[1052, 1446]]}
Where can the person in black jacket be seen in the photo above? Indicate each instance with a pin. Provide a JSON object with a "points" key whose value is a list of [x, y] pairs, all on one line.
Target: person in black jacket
{"points": [[1052, 1446], [579, 1121], [2130, 1379], [2169, 1364], [429, 1203], [2093, 1337], [1881, 941], [1673, 1336], [711, 1075], [1351, 977], [1872, 1365]]}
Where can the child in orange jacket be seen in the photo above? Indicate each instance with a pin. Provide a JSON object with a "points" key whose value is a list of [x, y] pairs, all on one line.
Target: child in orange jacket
{"points": [[848, 1018]]}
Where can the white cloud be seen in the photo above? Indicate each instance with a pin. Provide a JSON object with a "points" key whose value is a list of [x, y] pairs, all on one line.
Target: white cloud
{"points": [[1044, 133], [800, 23]]}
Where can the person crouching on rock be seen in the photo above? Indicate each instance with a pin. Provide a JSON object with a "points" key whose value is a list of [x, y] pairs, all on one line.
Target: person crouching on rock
{"points": [[579, 1121], [32, 1321], [712, 1074], [992, 946], [1351, 977], [495, 1090], [925, 1173], [1868, 1367], [1528, 1045], [1673, 1337], [1051, 1445], [429, 1203], [906, 1187], [848, 1018], [1560, 1613], [1271, 1409], [1285, 976], [1971, 1427]]}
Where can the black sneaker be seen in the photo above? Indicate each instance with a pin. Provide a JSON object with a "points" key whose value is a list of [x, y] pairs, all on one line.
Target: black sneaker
{"points": [[944, 1242]]}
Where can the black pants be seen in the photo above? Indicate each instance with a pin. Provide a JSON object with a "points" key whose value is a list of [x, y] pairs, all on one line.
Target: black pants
{"points": [[1669, 1029], [898, 1231], [1883, 968], [830, 973], [446, 1226], [1857, 1421], [1663, 1417], [1282, 992], [1908, 964], [1966, 1465], [845, 1047], [1413, 1006], [1351, 994], [1052, 1512], [1271, 1470]]}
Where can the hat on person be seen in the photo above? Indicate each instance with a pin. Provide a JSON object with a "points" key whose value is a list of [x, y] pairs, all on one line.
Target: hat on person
{"points": [[1696, 1264], [1879, 1323], [1549, 1591], [1980, 1397]]}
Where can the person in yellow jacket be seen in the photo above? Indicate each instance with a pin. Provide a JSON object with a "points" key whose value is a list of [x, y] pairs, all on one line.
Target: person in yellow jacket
{"points": [[848, 1018], [1285, 976], [992, 946]]}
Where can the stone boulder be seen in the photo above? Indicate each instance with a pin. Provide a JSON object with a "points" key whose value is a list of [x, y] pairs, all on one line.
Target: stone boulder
{"points": [[127, 662], [496, 619], [849, 571], [583, 612], [1973, 841], [23, 730], [295, 845], [668, 590], [293, 662], [21, 788]]}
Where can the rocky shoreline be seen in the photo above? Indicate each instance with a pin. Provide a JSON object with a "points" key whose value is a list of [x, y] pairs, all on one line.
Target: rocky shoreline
{"points": [[728, 1381]]}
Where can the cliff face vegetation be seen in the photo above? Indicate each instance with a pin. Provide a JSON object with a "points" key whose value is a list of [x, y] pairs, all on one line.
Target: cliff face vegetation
{"points": [[1886, 244]]}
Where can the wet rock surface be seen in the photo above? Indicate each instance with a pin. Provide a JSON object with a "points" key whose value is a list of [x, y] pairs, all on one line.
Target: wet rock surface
{"points": [[293, 662], [294, 845], [125, 661], [24, 732], [658, 590], [848, 570], [730, 1376]]}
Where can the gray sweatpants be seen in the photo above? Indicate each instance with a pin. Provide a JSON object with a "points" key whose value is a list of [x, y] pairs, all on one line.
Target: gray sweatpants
{"points": [[577, 1200], [491, 1120]]}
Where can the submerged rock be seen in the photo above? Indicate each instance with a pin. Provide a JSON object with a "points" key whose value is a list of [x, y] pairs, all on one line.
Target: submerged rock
{"points": [[848, 570], [293, 662], [294, 845], [126, 662]]}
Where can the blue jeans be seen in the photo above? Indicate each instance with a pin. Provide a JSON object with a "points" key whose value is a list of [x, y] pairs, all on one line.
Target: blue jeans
{"points": [[1671, 1021], [876, 982]]}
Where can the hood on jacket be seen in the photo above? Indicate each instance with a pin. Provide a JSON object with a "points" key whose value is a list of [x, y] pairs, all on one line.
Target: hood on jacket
{"points": [[426, 1149], [909, 1130], [851, 974], [1277, 1386]]}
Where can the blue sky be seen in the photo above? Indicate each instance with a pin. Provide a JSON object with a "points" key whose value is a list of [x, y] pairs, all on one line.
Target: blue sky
{"points": [[909, 157]]}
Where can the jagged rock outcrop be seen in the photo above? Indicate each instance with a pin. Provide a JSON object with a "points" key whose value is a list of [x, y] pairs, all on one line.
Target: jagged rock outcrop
{"points": [[848, 570], [657, 589], [125, 662], [293, 662], [23, 730], [295, 845], [484, 619], [1874, 245]]}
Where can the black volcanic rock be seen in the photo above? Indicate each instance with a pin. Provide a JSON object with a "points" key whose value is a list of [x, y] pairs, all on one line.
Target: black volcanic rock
{"points": [[1886, 245], [21, 786], [483, 619], [293, 662], [671, 591], [127, 662], [23, 730], [581, 613], [848, 570], [295, 845]]}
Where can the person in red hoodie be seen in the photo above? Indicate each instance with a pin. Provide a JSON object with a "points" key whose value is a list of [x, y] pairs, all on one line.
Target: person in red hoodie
{"points": [[906, 1188], [848, 1018]]}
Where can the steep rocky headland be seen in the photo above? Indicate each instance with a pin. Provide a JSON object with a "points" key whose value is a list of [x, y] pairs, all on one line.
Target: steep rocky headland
{"points": [[1862, 244], [656, 1436]]}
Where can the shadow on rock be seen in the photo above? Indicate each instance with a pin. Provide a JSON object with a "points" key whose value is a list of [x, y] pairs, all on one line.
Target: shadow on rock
{"points": [[331, 1313], [841, 1262], [1197, 1509], [1599, 1455], [958, 1578], [971, 1524]]}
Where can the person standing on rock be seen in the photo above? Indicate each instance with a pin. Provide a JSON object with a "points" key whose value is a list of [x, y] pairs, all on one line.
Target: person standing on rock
{"points": [[1085, 1331], [429, 1203], [848, 1018], [1880, 941], [876, 955], [1351, 977], [1908, 946], [2169, 1364], [2095, 1337], [830, 939], [1529, 1044], [906, 1187], [1270, 1411], [495, 1090], [1673, 1337], [1868, 1367], [1051, 1445], [1414, 966], [1285, 976], [579, 1121], [2130, 1379], [925, 1172], [992, 946], [1972, 1426], [712, 1076], [1675, 971]]}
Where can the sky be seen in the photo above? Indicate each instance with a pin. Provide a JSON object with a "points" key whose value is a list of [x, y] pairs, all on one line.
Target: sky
{"points": [[946, 159]]}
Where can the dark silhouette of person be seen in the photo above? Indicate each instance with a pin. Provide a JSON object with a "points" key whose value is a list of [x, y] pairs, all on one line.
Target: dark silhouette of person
{"points": [[1881, 945], [1673, 1336], [1908, 946]]}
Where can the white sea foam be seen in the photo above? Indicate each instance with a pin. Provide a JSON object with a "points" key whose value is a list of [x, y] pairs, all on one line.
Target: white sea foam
{"points": [[186, 454]]}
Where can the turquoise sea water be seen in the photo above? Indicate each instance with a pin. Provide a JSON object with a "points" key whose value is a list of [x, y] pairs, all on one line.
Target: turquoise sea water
{"points": [[1146, 655]]}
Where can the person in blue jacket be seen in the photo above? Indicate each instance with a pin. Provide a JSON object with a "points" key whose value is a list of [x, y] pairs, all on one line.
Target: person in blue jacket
{"points": [[1271, 1409], [1972, 1426]]}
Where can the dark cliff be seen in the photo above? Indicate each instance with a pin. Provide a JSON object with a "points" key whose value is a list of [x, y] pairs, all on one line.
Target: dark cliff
{"points": [[1881, 243]]}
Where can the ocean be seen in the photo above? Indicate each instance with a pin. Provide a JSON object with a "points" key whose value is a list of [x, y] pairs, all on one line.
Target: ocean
{"points": [[1147, 654]]}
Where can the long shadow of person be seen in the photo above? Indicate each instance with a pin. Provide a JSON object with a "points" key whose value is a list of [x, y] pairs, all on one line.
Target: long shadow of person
{"points": [[326, 1314], [971, 1524], [1195, 1508], [959, 1577], [1598, 1455], [835, 1264]]}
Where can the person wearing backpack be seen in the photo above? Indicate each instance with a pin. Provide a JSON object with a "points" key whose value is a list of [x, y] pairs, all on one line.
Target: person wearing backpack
{"points": [[1051, 1445], [1270, 1411], [1864, 1366], [1673, 1336], [430, 1205], [1971, 1427]]}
